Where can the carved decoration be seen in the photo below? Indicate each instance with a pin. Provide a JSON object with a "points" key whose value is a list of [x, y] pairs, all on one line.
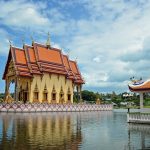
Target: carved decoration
{"points": [[11, 69], [69, 92], [9, 98], [45, 89], [53, 91], [36, 88]]}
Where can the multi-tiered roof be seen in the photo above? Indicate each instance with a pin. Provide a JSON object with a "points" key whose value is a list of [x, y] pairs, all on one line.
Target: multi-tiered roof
{"points": [[39, 59]]}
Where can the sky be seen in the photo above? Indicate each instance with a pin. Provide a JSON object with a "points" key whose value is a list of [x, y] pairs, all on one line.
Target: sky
{"points": [[109, 38]]}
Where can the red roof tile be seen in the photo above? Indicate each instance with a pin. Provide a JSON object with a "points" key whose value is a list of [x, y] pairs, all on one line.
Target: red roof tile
{"points": [[76, 72], [66, 62], [49, 55], [20, 56], [31, 55], [74, 67], [38, 58]]}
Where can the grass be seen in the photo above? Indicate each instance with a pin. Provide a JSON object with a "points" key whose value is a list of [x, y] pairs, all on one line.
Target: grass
{"points": [[146, 106], [126, 107]]}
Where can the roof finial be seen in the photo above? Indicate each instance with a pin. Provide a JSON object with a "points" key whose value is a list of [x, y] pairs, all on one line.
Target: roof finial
{"points": [[76, 59], [48, 41], [32, 39], [68, 53], [10, 42], [23, 40]]}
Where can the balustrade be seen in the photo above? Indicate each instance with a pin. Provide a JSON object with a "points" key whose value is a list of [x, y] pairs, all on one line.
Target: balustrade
{"points": [[138, 117], [33, 107]]}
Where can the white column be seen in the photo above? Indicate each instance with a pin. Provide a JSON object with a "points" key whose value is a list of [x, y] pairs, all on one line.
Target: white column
{"points": [[141, 100]]}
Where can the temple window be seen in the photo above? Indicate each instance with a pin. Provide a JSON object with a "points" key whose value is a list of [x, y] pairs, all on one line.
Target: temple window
{"points": [[61, 96], [45, 94], [36, 93], [53, 94], [25, 93], [36, 96], [69, 97]]}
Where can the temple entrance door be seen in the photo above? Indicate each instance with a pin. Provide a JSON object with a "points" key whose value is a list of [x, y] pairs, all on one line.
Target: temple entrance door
{"points": [[25, 97]]}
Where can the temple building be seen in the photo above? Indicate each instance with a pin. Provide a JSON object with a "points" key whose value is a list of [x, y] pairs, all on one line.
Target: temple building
{"points": [[41, 73], [141, 87]]}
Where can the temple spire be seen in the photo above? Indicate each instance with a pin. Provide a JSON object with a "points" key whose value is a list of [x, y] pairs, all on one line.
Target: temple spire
{"points": [[76, 59], [10, 43], [68, 53], [23, 41], [32, 39], [48, 41]]}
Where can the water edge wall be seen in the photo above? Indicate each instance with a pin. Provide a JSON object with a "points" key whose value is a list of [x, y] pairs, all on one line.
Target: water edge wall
{"points": [[41, 107]]}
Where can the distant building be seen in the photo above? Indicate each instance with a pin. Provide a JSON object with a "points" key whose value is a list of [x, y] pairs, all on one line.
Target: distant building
{"points": [[41, 73]]}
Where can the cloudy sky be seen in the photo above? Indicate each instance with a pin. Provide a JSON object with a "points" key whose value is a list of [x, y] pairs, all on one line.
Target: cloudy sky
{"points": [[110, 38]]}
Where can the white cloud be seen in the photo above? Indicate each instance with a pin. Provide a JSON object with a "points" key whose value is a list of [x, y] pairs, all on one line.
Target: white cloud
{"points": [[4, 44], [21, 13], [97, 59], [32, 16], [114, 39]]}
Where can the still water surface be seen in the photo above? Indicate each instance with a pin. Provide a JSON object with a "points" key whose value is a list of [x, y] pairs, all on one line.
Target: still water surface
{"points": [[71, 131]]}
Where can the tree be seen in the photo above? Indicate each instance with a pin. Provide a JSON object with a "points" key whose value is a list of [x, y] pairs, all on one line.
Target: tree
{"points": [[88, 96]]}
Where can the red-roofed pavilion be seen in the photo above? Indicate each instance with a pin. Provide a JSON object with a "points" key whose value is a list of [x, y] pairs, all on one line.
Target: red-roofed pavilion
{"points": [[140, 87]]}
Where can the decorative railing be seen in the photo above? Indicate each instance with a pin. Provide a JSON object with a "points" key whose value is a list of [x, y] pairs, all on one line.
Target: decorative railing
{"points": [[44, 107], [138, 117]]}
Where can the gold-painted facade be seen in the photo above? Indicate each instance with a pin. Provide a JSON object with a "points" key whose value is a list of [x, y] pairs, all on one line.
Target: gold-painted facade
{"points": [[49, 88]]}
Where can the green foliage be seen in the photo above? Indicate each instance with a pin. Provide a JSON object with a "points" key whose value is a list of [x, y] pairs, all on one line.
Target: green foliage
{"points": [[75, 99], [107, 98], [89, 96], [2, 95]]}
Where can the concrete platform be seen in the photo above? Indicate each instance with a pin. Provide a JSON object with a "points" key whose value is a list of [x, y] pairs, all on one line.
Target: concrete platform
{"points": [[139, 117]]}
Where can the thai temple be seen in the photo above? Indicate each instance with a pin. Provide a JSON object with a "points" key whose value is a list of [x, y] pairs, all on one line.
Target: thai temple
{"points": [[41, 73], [141, 87]]}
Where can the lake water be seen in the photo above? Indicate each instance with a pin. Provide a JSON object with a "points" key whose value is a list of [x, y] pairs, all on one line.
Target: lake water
{"points": [[101, 130]]}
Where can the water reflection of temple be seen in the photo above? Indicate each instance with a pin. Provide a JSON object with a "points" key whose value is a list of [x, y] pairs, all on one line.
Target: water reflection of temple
{"points": [[140, 133], [37, 131]]}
